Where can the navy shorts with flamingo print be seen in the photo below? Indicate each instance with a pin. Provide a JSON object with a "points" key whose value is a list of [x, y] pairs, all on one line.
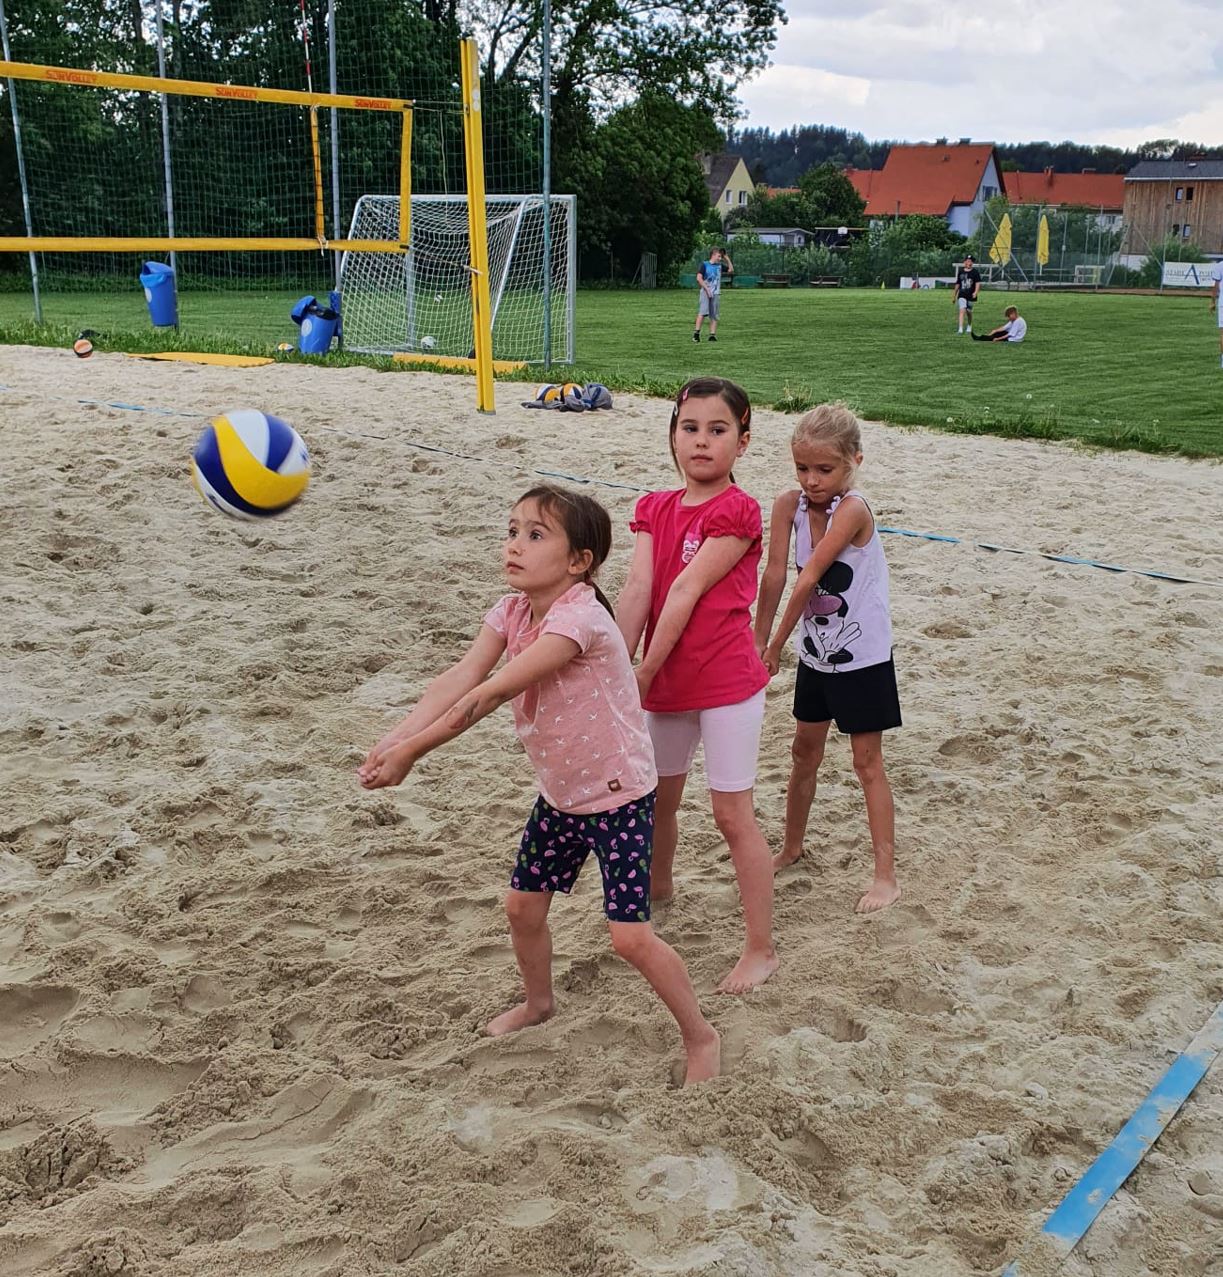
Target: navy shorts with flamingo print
{"points": [[555, 845]]}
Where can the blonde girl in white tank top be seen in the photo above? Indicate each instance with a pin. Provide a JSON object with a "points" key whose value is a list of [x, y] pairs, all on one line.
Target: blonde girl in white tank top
{"points": [[839, 613]]}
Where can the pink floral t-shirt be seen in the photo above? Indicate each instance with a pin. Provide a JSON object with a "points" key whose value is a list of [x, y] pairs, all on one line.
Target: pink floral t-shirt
{"points": [[715, 661], [583, 727]]}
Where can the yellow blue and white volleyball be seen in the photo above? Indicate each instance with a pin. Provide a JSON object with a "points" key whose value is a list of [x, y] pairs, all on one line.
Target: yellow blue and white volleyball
{"points": [[250, 464]]}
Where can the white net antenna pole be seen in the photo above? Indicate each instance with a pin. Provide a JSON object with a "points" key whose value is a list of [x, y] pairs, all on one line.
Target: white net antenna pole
{"points": [[21, 174], [165, 136]]}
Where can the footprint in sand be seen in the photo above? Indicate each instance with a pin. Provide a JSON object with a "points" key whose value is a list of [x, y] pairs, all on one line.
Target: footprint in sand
{"points": [[31, 1013]]}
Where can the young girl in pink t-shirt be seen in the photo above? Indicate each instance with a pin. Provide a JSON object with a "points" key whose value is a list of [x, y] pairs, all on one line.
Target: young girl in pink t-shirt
{"points": [[577, 712], [690, 587]]}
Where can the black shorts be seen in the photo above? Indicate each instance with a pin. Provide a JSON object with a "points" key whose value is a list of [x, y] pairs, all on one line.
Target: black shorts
{"points": [[862, 700]]}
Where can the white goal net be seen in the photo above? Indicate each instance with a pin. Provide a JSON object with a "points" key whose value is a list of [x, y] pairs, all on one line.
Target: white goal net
{"points": [[421, 300]]}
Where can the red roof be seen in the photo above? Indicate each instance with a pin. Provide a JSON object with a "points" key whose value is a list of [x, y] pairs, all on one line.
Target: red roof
{"points": [[923, 177], [861, 180], [1088, 190]]}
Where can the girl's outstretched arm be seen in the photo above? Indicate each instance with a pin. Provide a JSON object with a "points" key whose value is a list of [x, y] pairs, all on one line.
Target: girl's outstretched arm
{"points": [[773, 582], [469, 671], [709, 565], [633, 604], [545, 656], [851, 519]]}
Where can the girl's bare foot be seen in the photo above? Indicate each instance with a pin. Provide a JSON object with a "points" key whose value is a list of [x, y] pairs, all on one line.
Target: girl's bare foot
{"points": [[883, 892], [520, 1017], [661, 893], [704, 1057], [786, 857], [753, 969]]}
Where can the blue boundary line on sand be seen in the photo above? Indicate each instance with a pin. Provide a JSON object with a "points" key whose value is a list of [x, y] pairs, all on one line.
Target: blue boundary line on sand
{"points": [[1080, 1207], [1071, 559]]}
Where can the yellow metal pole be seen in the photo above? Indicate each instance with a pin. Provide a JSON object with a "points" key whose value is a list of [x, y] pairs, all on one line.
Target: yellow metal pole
{"points": [[477, 226], [405, 182], [192, 88], [320, 228]]}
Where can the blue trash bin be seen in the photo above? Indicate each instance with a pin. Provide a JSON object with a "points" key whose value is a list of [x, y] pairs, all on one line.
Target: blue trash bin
{"points": [[318, 325], [157, 280]]}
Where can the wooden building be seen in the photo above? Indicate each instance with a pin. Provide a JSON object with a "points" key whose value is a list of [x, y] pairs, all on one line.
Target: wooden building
{"points": [[1180, 199]]}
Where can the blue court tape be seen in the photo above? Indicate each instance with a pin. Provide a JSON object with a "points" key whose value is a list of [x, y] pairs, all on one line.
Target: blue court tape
{"points": [[103, 403], [630, 487], [1080, 1207], [1073, 559]]}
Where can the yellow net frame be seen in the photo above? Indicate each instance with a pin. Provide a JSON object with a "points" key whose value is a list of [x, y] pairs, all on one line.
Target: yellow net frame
{"points": [[239, 92]]}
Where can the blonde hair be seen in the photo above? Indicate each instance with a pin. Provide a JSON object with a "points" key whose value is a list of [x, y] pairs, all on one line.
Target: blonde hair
{"points": [[832, 424]]}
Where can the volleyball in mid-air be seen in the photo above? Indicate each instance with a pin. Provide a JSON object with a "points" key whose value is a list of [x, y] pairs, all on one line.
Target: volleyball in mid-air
{"points": [[250, 464]]}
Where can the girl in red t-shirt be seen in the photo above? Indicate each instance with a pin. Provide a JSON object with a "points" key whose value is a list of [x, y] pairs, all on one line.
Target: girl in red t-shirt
{"points": [[691, 586]]}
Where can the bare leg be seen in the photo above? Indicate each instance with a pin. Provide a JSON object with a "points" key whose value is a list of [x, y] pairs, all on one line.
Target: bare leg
{"points": [[736, 818], [807, 752], [638, 944], [527, 912], [880, 816], [666, 837]]}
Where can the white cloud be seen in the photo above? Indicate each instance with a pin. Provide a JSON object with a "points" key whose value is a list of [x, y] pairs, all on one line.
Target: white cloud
{"points": [[820, 91], [1089, 70]]}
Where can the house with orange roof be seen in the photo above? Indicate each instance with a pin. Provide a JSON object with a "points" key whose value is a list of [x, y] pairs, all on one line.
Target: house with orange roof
{"points": [[952, 181], [861, 180], [1088, 189]]}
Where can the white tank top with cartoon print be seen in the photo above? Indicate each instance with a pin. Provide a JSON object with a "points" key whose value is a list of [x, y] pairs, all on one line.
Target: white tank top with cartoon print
{"points": [[847, 623]]}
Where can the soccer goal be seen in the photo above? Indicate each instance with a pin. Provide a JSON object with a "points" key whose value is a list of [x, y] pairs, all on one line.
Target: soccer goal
{"points": [[420, 301]]}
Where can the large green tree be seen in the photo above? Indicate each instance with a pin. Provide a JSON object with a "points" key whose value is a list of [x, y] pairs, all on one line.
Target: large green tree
{"points": [[696, 51], [641, 188], [825, 197], [830, 196]]}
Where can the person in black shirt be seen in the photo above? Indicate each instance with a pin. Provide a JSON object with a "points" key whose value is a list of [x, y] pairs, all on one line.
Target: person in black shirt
{"points": [[967, 286]]}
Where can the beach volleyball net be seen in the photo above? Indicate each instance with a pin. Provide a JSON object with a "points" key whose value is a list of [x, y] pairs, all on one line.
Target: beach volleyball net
{"points": [[421, 301], [120, 167]]}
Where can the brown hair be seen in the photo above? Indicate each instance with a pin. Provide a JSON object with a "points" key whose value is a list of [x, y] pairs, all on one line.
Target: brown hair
{"points": [[833, 424], [585, 523], [731, 394]]}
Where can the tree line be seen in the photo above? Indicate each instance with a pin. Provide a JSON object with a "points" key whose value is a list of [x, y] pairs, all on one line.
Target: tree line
{"points": [[781, 158]]}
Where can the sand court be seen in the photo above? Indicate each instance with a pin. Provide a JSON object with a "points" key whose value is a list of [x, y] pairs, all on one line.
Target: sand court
{"points": [[239, 996]]}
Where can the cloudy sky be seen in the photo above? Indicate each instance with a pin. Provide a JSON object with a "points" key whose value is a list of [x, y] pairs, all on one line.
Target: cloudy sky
{"points": [[1114, 71]]}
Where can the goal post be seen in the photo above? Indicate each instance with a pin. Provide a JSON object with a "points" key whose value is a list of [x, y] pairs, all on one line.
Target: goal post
{"points": [[421, 302]]}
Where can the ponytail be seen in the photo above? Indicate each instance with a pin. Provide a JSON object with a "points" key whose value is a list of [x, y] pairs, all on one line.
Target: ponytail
{"points": [[600, 595]]}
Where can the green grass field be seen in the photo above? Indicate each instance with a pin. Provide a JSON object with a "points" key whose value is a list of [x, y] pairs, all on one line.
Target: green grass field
{"points": [[1119, 371]]}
